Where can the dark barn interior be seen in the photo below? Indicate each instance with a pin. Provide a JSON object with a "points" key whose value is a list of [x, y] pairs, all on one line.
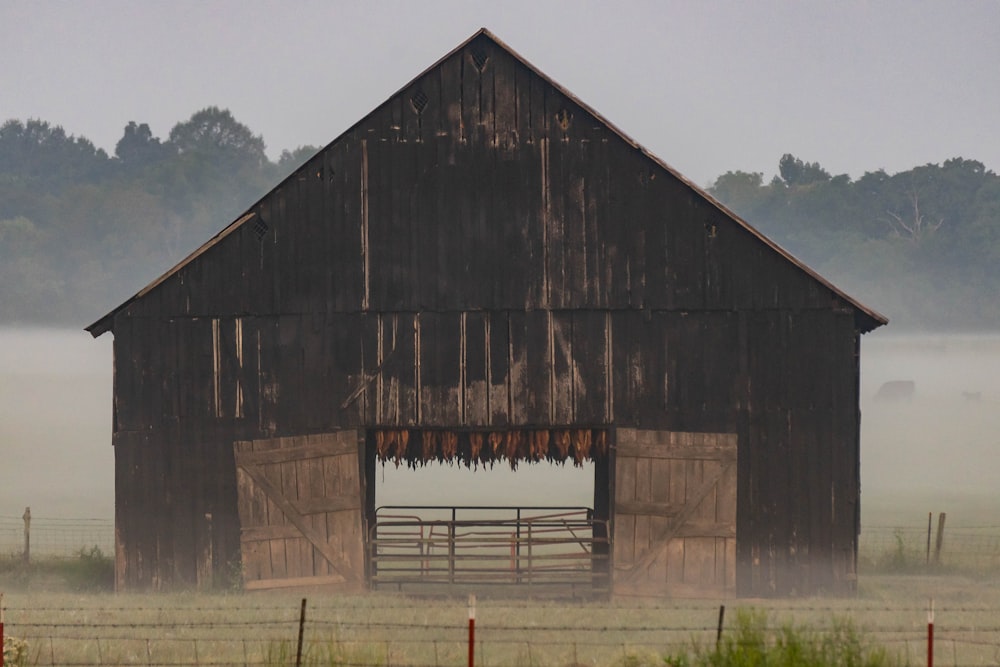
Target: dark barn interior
{"points": [[484, 270]]}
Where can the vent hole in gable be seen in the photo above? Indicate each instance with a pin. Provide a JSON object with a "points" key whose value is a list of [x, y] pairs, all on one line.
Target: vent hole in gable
{"points": [[419, 101], [480, 58], [260, 228]]}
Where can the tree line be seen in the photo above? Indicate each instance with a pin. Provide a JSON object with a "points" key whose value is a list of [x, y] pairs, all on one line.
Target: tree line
{"points": [[81, 230], [921, 246]]}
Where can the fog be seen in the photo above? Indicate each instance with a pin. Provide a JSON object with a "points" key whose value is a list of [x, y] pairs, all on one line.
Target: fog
{"points": [[937, 450], [55, 424]]}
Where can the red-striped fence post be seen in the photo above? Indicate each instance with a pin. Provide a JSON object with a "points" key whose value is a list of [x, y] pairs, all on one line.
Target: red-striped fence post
{"points": [[472, 630]]}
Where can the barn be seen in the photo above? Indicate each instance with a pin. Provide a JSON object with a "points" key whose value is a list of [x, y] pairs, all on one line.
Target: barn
{"points": [[483, 270]]}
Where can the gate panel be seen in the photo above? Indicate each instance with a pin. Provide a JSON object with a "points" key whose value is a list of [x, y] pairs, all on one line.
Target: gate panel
{"points": [[675, 514], [300, 502]]}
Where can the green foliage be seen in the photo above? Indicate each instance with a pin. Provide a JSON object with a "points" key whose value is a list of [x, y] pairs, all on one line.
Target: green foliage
{"points": [[15, 652], [282, 654], [91, 570], [214, 135], [88, 571], [753, 644], [81, 231], [795, 172], [921, 246]]}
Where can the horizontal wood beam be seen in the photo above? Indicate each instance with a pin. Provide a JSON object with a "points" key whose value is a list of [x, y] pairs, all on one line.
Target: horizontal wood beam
{"points": [[292, 582], [295, 453], [725, 454]]}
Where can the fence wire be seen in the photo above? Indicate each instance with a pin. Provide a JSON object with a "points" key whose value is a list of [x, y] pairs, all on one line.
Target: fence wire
{"points": [[58, 538], [389, 630], [883, 547]]}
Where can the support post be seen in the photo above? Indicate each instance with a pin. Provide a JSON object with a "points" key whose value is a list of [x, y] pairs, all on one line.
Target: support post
{"points": [[205, 569], [27, 535], [718, 630], [302, 625], [930, 634], [930, 517], [940, 539], [472, 630]]}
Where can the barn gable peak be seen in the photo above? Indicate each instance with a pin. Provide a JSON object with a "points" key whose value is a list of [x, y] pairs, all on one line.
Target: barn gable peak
{"points": [[424, 103]]}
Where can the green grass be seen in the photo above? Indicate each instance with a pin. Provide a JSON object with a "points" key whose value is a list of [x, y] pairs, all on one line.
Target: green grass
{"points": [[88, 571], [386, 629], [752, 643]]}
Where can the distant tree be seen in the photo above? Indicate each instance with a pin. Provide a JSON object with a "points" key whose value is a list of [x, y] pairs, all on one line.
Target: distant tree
{"points": [[289, 161], [910, 223], [734, 186], [138, 147], [796, 172], [215, 132], [44, 155]]}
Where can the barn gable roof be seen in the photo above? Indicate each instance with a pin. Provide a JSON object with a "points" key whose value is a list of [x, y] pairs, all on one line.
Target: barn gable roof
{"points": [[866, 318]]}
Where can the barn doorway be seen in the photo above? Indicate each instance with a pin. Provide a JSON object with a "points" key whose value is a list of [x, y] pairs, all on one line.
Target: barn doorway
{"points": [[517, 511]]}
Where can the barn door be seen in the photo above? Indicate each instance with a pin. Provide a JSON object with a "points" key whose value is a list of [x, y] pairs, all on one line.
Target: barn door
{"points": [[300, 511], [675, 514]]}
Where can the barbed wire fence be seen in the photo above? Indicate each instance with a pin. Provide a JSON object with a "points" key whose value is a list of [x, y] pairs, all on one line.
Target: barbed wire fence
{"points": [[251, 630], [56, 537], [356, 631], [970, 548], [973, 547]]}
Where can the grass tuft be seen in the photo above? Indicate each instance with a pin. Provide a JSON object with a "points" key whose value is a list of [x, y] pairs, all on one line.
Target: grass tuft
{"points": [[754, 644], [88, 571]]}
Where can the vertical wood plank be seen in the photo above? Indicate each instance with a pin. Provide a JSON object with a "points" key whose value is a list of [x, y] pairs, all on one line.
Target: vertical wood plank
{"points": [[475, 368]]}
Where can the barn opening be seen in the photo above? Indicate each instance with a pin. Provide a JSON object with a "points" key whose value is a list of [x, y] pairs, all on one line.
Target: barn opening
{"points": [[522, 508]]}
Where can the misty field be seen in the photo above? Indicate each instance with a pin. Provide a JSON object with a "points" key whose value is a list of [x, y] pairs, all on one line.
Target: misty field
{"points": [[890, 612], [931, 452], [928, 453]]}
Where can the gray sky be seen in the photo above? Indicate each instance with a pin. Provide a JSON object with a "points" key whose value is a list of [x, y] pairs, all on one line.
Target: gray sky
{"points": [[707, 86]]}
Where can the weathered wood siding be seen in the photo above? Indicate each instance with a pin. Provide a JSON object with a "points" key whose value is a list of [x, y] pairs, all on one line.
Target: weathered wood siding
{"points": [[300, 505], [482, 251]]}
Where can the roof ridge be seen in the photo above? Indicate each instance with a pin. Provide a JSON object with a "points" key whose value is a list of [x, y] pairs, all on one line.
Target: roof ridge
{"points": [[876, 319]]}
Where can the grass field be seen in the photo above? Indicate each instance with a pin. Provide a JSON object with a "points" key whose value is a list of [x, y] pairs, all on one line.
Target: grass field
{"points": [[935, 453], [381, 629]]}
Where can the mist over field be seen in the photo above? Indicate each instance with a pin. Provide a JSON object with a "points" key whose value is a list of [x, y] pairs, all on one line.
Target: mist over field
{"points": [[55, 424], [938, 450]]}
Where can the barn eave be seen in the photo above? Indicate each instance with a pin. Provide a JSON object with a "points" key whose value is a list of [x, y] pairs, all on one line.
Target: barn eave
{"points": [[866, 319]]}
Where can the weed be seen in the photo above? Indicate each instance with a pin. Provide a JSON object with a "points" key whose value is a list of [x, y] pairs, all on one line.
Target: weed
{"points": [[753, 644], [89, 571], [282, 653], [15, 652]]}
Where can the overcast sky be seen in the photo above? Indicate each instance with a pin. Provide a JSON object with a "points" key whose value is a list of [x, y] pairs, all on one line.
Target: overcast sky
{"points": [[707, 86]]}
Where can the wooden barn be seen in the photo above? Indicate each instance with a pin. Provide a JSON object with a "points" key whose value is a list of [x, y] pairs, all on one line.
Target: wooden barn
{"points": [[483, 269]]}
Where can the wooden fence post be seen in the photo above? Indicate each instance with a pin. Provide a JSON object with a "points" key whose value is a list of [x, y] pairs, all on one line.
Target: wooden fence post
{"points": [[940, 539], [930, 518], [27, 535], [718, 629], [302, 628], [930, 634]]}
